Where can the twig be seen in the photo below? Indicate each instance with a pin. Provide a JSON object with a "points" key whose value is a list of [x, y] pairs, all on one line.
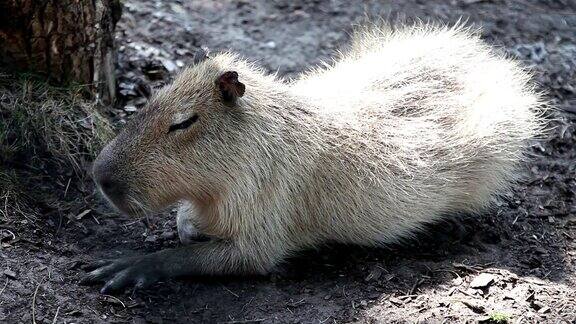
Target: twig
{"points": [[515, 219], [230, 291], [67, 186], [131, 223], [298, 303], [245, 305], [116, 299], [415, 286], [34, 304], [56, 315], [5, 285], [11, 233]]}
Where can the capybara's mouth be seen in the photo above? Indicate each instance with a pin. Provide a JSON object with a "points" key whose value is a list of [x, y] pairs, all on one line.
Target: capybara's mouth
{"points": [[125, 204]]}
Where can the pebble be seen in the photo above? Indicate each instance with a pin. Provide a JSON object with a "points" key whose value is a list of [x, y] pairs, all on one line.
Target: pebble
{"points": [[10, 274], [482, 280], [544, 310], [130, 108], [151, 238]]}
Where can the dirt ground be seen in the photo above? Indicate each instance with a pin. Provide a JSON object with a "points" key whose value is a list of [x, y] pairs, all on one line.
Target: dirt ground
{"points": [[515, 264]]}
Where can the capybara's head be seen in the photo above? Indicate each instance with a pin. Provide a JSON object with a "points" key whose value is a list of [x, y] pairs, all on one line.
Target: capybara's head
{"points": [[183, 144]]}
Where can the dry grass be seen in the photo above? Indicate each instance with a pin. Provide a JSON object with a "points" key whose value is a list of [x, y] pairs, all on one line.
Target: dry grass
{"points": [[42, 121], [47, 135], [8, 190]]}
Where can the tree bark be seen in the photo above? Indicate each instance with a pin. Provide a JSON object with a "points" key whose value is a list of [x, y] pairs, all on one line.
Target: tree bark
{"points": [[67, 40]]}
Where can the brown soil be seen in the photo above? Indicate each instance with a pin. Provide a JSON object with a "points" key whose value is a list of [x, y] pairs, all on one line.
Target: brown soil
{"points": [[517, 262]]}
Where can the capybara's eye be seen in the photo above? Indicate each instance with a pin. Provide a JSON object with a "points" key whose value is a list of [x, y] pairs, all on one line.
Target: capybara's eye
{"points": [[184, 124]]}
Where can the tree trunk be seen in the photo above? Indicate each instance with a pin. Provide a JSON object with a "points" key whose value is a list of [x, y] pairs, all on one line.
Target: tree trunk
{"points": [[67, 40]]}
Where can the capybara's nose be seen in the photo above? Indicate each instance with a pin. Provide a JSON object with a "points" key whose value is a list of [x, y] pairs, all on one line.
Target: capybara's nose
{"points": [[110, 183]]}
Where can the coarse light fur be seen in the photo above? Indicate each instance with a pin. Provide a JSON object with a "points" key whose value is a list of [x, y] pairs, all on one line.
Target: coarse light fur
{"points": [[403, 128]]}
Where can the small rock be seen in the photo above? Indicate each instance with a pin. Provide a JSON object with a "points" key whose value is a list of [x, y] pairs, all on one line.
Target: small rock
{"points": [[182, 51], [10, 274], [509, 295], [517, 293], [389, 277], [474, 305], [130, 108], [544, 310], [396, 301], [473, 292], [482, 280], [151, 238], [169, 65], [126, 85], [82, 214], [128, 92], [270, 44], [537, 305], [457, 281]]}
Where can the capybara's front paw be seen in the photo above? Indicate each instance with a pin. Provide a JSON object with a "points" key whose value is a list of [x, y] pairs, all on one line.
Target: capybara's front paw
{"points": [[139, 272]]}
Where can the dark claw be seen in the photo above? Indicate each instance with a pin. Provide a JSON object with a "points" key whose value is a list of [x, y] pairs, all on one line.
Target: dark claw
{"points": [[96, 275], [107, 269], [121, 273], [120, 280], [96, 264], [88, 279]]}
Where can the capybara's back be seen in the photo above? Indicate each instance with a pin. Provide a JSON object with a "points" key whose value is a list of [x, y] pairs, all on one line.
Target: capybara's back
{"points": [[425, 122]]}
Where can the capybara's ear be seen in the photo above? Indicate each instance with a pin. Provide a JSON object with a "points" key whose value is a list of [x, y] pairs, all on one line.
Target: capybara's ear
{"points": [[229, 86], [201, 55]]}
